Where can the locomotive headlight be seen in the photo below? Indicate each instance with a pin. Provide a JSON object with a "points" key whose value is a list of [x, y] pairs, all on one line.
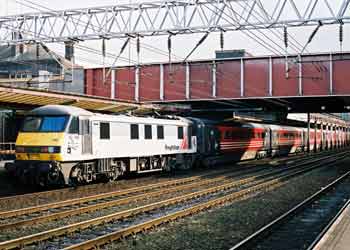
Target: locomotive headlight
{"points": [[53, 149]]}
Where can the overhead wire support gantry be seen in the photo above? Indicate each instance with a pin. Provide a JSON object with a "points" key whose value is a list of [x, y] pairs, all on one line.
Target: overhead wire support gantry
{"points": [[162, 18]]}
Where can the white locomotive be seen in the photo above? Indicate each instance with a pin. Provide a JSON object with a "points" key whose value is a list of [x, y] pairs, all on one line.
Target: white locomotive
{"points": [[68, 144]]}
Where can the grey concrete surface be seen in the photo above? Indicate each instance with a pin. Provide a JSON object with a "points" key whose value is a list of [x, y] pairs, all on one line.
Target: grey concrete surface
{"points": [[338, 236]]}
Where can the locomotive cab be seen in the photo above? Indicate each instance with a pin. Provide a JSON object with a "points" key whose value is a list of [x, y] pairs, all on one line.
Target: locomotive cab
{"points": [[49, 135], [41, 137]]}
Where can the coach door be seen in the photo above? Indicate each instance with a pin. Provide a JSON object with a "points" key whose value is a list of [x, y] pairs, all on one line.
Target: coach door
{"points": [[267, 138], [86, 137], [274, 139]]}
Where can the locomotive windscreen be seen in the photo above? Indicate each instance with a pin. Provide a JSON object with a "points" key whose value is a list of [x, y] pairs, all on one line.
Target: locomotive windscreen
{"points": [[44, 123]]}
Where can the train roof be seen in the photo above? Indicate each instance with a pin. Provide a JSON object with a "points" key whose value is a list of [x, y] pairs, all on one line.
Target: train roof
{"points": [[244, 124], [143, 120], [254, 125], [60, 110], [75, 111], [278, 127]]}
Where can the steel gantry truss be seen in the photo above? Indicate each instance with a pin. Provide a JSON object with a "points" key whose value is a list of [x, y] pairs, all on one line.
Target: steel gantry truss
{"points": [[169, 17]]}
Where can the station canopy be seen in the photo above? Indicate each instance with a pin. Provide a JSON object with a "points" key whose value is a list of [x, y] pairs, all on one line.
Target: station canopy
{"points": [[26, 98]]}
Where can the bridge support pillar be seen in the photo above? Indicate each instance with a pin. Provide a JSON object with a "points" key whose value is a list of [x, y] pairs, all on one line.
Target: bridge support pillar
{"points": [[187, 81], [161, 82], [214, 79], [308, 133], [315, 135], [331, 136], [137, 83], [336, 136], [113, 71], [341, 136], [322, 137], [327, 136]]}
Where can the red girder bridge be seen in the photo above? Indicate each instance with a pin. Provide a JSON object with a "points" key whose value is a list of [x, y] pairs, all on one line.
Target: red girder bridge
{"points": [[304, 82], [312, 82]]}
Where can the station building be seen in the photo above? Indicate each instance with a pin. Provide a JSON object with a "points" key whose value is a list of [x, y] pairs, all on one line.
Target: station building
{"points": [[34, 66]]}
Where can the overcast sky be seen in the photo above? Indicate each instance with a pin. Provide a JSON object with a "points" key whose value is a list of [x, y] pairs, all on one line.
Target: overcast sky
{"points": [[326, 39]]}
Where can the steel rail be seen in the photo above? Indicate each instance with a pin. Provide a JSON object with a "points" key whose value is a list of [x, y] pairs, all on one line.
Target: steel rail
{"points": [[102, 240], [75, 201], [123, 201], [102, 205], [40, 194], [80, 188], [330, 224], [127, 200], [44, 207], [269, 227], [30, 239]]}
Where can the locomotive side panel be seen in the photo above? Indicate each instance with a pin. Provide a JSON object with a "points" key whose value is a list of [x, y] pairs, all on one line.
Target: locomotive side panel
{"points": [[113, 139]]}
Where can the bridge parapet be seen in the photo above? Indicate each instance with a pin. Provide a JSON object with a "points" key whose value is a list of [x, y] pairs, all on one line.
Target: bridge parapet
{"points": [[311, 75]]}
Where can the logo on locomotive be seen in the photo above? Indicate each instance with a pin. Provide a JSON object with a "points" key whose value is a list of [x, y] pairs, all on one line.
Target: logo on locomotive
{"points": [[172, 147]]}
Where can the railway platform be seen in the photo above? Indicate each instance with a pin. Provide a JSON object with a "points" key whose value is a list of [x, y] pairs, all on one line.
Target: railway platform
{"points": [[338, 235], [2, 163]]}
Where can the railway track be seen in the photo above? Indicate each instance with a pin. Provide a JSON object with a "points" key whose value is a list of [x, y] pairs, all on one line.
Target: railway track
{"points": [[104, 202], [66, 193], [173, 208], [119, 193], [39, 214], [305, 224], [13, 202], [116, 187]]}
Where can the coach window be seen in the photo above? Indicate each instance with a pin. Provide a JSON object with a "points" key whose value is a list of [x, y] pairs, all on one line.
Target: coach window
{"points": [[104, 131], [148, 132], [160, 132], [74, 126], [134, 131], [232, 134], [180, 132]]}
